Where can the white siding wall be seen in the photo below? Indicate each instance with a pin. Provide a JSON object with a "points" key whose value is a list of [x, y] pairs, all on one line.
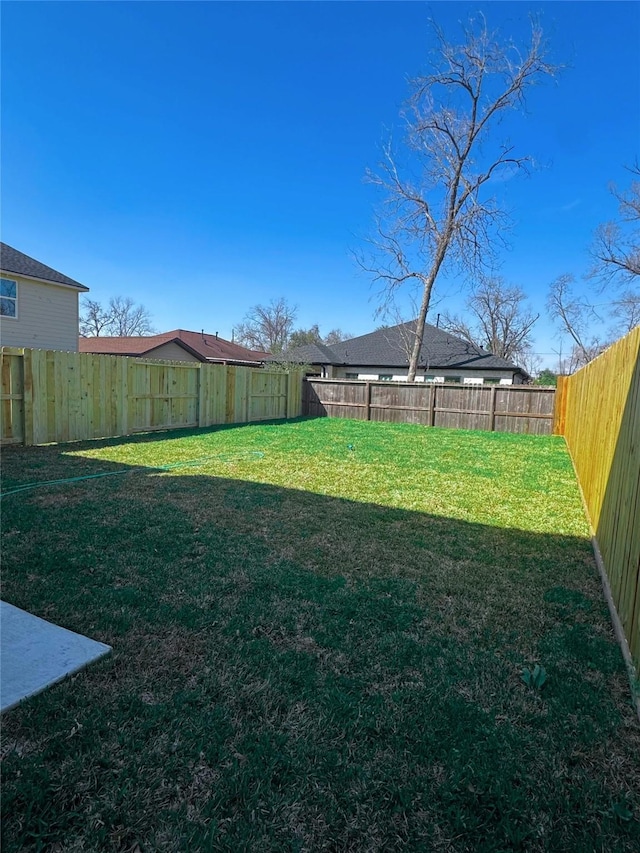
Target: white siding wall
{"points": [[372, 373], [47, 317]]}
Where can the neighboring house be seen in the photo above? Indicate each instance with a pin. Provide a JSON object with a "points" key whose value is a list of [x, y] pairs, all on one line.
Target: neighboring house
{"points": [[38, 305], [384, 355], [179, 345]]}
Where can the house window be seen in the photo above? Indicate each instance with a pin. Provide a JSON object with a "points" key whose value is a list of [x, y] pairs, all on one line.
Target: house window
{"points": [[351, 375], [473, 380], [8, 298], [386, 377]]}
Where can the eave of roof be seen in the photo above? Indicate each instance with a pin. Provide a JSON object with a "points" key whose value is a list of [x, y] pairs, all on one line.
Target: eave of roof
{"points": [[14, 262]]}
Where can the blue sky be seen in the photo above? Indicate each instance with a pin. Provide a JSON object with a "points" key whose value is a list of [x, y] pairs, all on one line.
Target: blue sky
{"points": [[205, 157]]}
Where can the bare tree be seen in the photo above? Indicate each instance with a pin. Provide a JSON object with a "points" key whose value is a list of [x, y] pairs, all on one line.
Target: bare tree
{"points": [[529, 361], [626, 312], [121, 318], [444, 213], [336, 336], [94, 320], [128, 318], [616, 245], [577, 359], [267, 327], [499, 320], [573, 317]]}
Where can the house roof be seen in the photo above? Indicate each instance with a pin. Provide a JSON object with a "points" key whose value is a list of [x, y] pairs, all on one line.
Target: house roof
{"points": [[389, 347], [13, 261], [202, 345], [309, 354]]}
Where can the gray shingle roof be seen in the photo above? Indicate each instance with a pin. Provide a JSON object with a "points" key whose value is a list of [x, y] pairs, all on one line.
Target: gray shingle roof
{"points": [[389, 348], [13, 261], [309, 354]]}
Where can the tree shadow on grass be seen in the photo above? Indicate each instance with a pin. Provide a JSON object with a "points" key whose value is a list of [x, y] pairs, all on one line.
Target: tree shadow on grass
{"points": [[293, 671]]}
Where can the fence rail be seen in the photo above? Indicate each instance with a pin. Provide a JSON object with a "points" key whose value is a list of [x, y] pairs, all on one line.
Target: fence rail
{"points": [[51, 396], [500, 408], [599, 412]]}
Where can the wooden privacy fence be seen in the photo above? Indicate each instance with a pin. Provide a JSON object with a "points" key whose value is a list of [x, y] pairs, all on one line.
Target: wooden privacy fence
{"points": [[500, 408], [50, 396], [599, 415]]}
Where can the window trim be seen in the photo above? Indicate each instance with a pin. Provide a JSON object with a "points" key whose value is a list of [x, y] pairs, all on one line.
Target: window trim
{"points": [[11, 298]]}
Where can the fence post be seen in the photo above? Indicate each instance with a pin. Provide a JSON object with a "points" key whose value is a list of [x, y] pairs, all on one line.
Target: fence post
{"points": [[231, 391], [432, 404], [27, 397], [203, 386], [287, 391], [38, 375], [492, 406], [367, 397], [124, 397], [560, 405]]}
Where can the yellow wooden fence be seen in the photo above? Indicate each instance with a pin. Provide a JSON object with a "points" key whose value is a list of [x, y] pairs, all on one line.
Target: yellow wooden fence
{"points": [[599, 415], [50, 396]]}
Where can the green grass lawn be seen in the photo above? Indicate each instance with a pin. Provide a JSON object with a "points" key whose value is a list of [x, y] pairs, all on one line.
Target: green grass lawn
{"points": [[319, 635]]}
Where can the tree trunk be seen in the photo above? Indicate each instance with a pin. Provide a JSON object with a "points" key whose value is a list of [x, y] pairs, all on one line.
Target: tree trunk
{"points": [[419, 330], [424, 307]]}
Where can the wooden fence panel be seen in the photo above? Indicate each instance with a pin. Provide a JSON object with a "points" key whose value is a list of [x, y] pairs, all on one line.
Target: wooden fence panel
{"points": [[12, 403], [35, 362], [560, 408], [518, 410], [294, 393], [396, 403], [268, 395], [50, 396], [241, 396], [463, 407], [602, 431], [213, 394], [342, 400], [486, 407]]}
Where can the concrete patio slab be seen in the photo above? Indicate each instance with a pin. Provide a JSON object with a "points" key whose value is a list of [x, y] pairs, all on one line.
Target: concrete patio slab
{"points": [[34, 654]]}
